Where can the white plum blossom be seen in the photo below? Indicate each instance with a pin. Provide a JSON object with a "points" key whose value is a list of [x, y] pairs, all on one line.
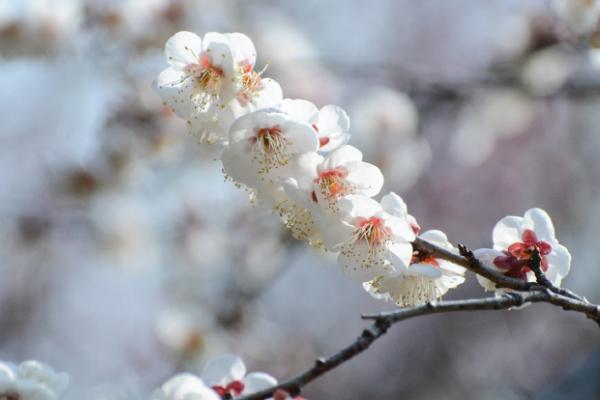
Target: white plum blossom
{"points": [[315, 184], [252, 92], [31, 380], [227, 376], [371, 241], [331, 123], [427, 278], [262, 144], [314, 179], [211, 81], [515, 239], [200, 77], [185, 386]]}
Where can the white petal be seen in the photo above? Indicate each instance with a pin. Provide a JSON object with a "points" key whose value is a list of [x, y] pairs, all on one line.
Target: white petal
{"points": [[406, 291], [175, 89], [269, 96], [559, 263], [438, 238], [486, 257], [238, 167], [182, 49], [359, 206], [507, 231], [400, 255], [301, 136], [366, 177], [223, 370], [394, 205], [400, 227], [487, 285], [331, 120], [257, 381], [185, 387], [335, 142], [242, 47], [217, 46], [539, 221], [344, 155], [304, 169], [335, 232], [363, 262], [300, 110], [425, 270]]}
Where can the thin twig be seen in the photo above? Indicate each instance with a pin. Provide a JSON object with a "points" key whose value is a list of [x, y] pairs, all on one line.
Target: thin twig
{"points": [[535, 264], [383, 321], [467, 259]]}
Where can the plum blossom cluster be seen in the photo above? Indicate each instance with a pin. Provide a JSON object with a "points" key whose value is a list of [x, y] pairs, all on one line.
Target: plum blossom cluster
{"points": [[222, 377], [31, 380], [294, 157]]}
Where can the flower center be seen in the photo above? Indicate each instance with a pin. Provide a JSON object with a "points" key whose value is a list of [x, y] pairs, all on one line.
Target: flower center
{"points": [[251, 83], [517, 256], [372, 230], [234, 388], [271, 148], [207, 75], [333, 184]]}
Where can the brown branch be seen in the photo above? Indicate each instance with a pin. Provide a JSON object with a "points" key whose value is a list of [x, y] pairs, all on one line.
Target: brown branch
{"points": [[535, 264], [383, 321], [467, 259]]}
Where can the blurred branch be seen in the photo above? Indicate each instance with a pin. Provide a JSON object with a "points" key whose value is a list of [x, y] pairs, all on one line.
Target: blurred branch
{"points": [[425, 84], [542, 291]]}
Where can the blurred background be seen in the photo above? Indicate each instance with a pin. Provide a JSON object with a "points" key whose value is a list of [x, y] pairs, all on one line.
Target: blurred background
{"points": [[126, 257]]}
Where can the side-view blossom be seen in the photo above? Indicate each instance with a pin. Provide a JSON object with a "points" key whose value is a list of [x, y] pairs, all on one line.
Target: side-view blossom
{"points": [[371, 241], [331, 123], [427, 278], [200, 77], [261, 145], [185, 386], [227, 376], [31, 380], [515, 239]]}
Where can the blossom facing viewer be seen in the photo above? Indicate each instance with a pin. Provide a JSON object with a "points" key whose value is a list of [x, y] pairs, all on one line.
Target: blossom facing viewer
{"points": [[371, 241]]}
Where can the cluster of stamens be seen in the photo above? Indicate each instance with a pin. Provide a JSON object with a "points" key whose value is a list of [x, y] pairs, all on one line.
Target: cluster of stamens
{"points": [[333, 184], [251, 84], [372, 230], [271, 148], [208, 76]]}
